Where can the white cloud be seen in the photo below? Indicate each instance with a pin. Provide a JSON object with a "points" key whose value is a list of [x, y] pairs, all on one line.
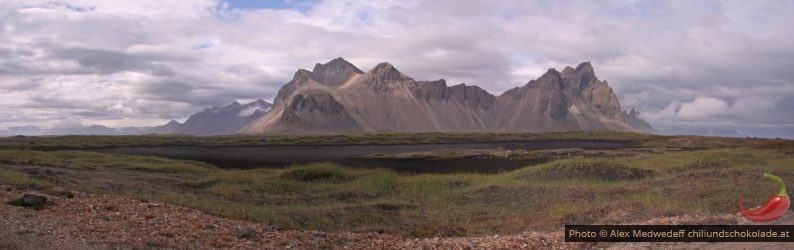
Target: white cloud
{"points": [[758, 114], [703, 107], [666, 114], [251, 110]]}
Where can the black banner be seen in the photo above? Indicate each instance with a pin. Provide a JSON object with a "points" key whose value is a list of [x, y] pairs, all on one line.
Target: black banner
{"points": [[679, 233]]}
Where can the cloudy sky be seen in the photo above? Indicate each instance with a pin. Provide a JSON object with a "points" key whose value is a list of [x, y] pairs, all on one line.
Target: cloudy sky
{"points": [[685, 65]]}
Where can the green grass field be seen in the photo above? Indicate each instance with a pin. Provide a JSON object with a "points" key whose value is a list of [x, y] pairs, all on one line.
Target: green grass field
{"points": [[705, 179]]}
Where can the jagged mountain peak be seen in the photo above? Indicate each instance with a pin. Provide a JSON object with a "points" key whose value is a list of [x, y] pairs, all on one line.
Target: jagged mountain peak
{"points": [[567, 71], [552, 72], [552, 77], [385, 78], [303, 74], [581, 78], [583, 82], [335, 72], [383, 66], [337, 63], [585, 66], [387, 71]]}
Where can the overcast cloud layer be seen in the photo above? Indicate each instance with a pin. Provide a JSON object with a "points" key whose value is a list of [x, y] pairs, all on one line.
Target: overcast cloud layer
{"points": [[686, 65]]}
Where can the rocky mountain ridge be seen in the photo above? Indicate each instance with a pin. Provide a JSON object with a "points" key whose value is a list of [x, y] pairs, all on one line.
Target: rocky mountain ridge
{"points": [[384, 99]]}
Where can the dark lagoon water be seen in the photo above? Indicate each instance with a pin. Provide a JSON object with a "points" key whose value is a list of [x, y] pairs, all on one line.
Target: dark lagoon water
{"points": [[246, 157]]}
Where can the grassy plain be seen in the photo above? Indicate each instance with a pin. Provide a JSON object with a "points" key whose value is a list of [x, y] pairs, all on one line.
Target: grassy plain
{"points": [[670, 176]]}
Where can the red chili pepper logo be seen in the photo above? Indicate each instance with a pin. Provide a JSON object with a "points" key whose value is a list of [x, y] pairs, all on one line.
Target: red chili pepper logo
{"points": [[772, 209]]}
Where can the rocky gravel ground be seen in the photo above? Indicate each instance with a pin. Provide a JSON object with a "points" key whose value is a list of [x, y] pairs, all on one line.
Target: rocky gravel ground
{"points": [[95, 221], [76, 220]]}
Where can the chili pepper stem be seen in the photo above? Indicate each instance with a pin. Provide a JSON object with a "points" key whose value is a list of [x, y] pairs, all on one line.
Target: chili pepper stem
{"points": [[779, 182]]}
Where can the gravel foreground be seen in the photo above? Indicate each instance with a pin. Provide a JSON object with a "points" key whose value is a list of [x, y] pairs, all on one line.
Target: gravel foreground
{"points": [[95, 221]]}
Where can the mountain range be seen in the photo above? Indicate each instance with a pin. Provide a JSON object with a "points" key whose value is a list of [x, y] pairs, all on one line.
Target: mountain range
{"points": [[338, 97]]}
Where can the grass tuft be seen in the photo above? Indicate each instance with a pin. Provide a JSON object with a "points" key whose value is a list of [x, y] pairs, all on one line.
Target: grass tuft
{"points": [[324, 173], [587, 169]]}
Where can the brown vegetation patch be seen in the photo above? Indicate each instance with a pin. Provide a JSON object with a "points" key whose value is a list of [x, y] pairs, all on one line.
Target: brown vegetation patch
{"points": [[603, 171], [318, 174]]}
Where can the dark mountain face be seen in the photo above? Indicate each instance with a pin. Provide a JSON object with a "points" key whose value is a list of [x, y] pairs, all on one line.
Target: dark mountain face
{"points": [[432, 90], [336, 96], [473, 96], [301, 78], [470, 95], [317, 111]]}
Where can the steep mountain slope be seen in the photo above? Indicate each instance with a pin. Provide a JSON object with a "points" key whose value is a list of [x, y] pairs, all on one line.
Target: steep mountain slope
{"points": [[338, 97]]}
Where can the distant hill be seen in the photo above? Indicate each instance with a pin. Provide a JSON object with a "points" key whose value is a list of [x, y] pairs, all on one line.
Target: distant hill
{"points": [[212, 121], [217, 121]]}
